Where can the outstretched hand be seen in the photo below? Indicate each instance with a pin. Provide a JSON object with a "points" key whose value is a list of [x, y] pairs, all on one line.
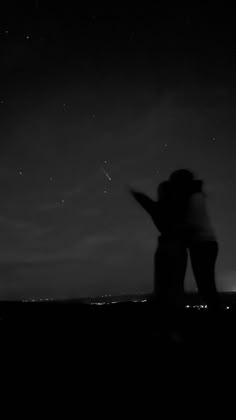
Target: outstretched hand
{"points": [[131, 190], [146, 202]]}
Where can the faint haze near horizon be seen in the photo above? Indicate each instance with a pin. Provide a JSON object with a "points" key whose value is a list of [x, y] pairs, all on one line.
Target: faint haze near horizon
{"points": [[138, 95]]}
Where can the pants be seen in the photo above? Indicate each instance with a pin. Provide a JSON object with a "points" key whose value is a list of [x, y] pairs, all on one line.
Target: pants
{"points": [[203, 257], [170, 264]]}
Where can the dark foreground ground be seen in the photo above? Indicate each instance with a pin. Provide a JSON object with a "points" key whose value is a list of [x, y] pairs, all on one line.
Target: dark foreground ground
{"points": [[72, 327], [121, 351]]}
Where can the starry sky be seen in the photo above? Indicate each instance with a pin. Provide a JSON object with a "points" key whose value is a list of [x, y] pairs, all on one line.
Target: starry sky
{"points": [[94, 100]]}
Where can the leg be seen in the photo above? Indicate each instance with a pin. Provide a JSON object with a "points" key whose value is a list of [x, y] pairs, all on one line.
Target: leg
{"points": [[170, 263], [169, 272], [203, 258]]}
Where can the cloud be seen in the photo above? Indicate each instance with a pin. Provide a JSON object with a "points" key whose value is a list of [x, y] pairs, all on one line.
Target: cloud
{"points": [[50, 205], [20, 237], [100, 239], [74, 192], [31, 243], [24, 227], [91, 246], [65, 196]]}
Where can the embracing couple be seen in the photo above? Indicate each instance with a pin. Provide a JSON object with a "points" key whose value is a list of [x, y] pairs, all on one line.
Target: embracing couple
{"points": [[180, 215]]}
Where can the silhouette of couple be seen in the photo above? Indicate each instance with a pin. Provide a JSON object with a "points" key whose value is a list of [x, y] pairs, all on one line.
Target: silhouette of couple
{"points": [[181, 217]]}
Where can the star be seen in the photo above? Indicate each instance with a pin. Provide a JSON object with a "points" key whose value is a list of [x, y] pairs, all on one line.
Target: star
{"points": [[27, 37]]}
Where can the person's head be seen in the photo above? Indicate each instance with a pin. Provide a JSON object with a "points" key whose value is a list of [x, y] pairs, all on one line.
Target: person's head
{"points": [[181, 179]]}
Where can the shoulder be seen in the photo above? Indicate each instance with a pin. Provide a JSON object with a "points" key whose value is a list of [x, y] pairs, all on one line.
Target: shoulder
{"points": [[197, 200], [197, 186]]}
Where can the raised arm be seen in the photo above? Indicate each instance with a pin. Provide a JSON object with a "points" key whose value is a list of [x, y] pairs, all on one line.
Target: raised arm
{"points": [[147, 203]]}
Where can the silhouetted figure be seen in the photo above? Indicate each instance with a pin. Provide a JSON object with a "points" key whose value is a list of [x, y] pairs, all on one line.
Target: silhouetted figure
{"points": [[170, 259], [196, 230]]}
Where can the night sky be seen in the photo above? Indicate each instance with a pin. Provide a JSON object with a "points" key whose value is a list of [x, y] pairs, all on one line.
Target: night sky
{"points": [[94, 100]]}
